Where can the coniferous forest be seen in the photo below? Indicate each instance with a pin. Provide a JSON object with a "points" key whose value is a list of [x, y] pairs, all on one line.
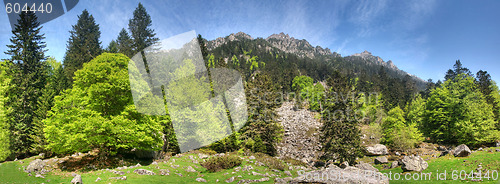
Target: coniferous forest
{"points": [[78, 115]]}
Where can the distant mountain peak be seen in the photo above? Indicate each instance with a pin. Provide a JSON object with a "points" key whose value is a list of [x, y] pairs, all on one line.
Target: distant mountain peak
{"points": [[281, 41], [302, 47]]}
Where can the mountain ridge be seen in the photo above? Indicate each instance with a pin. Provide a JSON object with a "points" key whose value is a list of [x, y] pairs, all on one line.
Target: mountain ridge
{"points": [[302, 48]]}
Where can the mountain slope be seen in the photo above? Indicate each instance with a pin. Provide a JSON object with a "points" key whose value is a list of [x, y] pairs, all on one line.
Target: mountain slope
{"points": [[303, 49]]}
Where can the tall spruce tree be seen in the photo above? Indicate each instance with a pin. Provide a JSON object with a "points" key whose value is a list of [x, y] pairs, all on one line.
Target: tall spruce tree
{"points": [[340, 132], [125, 42], [143, 36], [83, 44], [27, 71]]}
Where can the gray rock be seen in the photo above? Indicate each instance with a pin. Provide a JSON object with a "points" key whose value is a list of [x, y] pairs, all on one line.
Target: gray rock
{"points": [[300, 140], [376, 150], [394, 164], [39, 176], [461, 151], [201, 180], [381, 160], [77, 179], [190, 169], [497, 150], [202, 156], [413, 163], [98, 179], [366, 166], [288, 173], [230, 180], [119, 178], [35, 166], [144, 172], [164, 172], [251, 157], [497, 144]]}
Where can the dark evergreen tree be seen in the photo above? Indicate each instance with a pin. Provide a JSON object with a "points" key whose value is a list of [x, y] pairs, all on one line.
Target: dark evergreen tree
{"points": [[83, 44], [262, 132], [142, 34], [125, 43], [457, 70], [483, 82], [340, 132], [112, 47], [27, 71]]}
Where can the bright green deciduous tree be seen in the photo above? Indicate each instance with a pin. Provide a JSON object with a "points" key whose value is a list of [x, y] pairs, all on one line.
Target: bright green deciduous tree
{"points": [[398, 133], [4, 123], [98, 112], [458, 113]]}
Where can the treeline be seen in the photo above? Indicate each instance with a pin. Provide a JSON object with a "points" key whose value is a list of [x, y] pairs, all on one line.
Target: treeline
{"points": [[82, 104]]}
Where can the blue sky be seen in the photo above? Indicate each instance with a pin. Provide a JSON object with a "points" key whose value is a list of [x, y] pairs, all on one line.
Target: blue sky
{"points": [[422, 37]]}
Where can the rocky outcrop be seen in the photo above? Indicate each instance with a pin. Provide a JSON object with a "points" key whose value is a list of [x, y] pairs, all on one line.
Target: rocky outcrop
{"points": [[335, 174], [376, 150], [77, 179], [302, 47], [144, 172], [413, 163], [394, 164], [224, 40], [35, 166], [282, 41], [381, 160], [366, 166], [301, 137], [461, 151]]}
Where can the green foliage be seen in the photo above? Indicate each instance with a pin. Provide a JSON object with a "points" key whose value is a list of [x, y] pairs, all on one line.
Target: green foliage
{"points": [[399, 134], [415, 111], [458, 113], [83, 44], [217, 163], [235, 60], [124, 43], [228, 144], [139, 26], [56, 83], [112, 47], [312, 93], [271, 162], [27, 73], [340, 131], [262, 132], [98, 112], [4, 123], [301, 82]]}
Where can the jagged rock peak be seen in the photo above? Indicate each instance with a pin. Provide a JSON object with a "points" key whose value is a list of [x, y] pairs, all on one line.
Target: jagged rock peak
{"points": [[280, 36], [302, 47], [240, 34]]}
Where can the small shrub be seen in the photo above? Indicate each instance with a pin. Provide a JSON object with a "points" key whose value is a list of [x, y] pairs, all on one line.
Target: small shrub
{"points": [[206, 151], [270, 162], [294, 161], [214, 164]]}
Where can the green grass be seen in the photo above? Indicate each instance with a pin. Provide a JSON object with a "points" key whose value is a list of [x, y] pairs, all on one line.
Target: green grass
{"points": [[10, 173], [449, 163]]}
